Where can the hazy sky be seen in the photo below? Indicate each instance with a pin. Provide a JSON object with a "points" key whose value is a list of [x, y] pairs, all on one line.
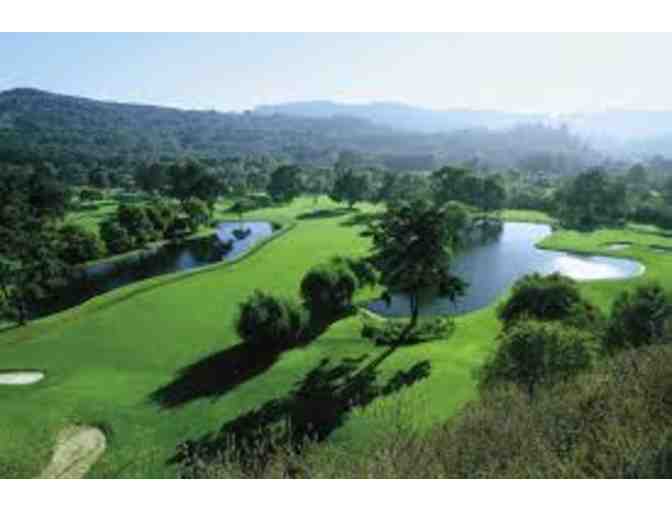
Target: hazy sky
{"points": [[514, 72]]}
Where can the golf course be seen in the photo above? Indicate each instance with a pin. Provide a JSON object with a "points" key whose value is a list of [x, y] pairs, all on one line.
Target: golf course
{"points": [[157, 362]]}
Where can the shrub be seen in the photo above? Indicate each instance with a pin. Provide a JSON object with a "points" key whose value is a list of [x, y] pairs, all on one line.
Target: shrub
{"points": [[116, 237], [553, 297], [134, 219], [532, 352], [364, 271], [272, 322], [79, 245], [162, 215], [197, 213], [327, 290], [639, 318], [611, 422]]}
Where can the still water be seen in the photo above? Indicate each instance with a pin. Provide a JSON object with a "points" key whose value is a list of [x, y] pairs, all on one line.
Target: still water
{"points": [[170, 258], [493, 265]]}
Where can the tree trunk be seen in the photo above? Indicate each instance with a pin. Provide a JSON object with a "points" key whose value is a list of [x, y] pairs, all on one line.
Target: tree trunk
{"points": [[415, 311]]}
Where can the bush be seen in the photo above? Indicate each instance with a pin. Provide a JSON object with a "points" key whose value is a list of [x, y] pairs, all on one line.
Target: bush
{"points": [[547, 298], [79, 245], [116, 237], [327, 290], [611, 422], [639, 318], [134, 219], [197, 213], [271, 322], [162, 215], [364, 271], [532, 353]]}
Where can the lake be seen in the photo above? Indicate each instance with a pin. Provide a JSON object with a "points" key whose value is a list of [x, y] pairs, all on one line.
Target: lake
{"points": [[104, 276], [492, 265]]}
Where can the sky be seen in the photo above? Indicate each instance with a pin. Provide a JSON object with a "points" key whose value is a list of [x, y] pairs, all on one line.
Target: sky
{"points": [[549, 73]]}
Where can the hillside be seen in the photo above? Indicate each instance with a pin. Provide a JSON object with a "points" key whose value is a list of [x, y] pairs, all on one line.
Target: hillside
{"points": [[402, 116], [37, 125]]}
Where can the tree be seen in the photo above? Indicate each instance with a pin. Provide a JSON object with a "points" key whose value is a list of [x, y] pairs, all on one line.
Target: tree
{"points": [[532, 352], [270, 322], [316, 184], [667, 191], [327, 290], [285, 184], [116, 238], [134, 219], [30, 263], [453, 184], [99, 178], [151, 177], [351, 187], [544, 298], [47, 197], [640, 317], [197, 213], [192, 180], [412, 250], [78, 244], [161, 214], [591, 198], [493, 195]]}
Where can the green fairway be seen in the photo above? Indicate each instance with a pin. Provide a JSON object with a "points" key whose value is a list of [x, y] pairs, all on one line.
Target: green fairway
{"points": [[105, 359]]}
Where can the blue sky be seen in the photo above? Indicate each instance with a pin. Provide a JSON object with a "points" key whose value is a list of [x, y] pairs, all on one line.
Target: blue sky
{"points": [[513, 72]]}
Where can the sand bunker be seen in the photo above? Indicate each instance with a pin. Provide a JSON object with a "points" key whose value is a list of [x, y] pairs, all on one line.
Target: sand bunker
{"points": [[77, 449], [20, 377]]}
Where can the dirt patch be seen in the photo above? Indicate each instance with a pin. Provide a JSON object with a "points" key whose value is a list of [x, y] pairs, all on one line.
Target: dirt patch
{"points": [[20, 377], [77, 449]]}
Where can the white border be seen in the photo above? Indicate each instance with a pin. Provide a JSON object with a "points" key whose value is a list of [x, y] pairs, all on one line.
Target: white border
{"points": [[335, 15]]}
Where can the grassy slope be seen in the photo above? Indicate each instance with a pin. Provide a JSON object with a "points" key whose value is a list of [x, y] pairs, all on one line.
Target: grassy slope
{"points": [[104, 359]]}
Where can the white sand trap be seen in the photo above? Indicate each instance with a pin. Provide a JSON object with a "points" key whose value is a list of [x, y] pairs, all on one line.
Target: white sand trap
{"points": [[77, 449], [20, 377], [596, 268]]}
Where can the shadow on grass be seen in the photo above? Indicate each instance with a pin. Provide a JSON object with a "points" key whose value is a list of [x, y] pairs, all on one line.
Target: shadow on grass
{"points": [[221, 372], [325, 213], [215, 375], [317, 406], [361, 219]]}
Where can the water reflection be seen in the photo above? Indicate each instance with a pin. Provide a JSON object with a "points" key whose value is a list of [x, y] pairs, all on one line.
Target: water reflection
{"points": [[170, 258], [494, 264]]}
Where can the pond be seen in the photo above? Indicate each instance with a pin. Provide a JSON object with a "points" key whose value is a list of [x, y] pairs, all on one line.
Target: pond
{"points": [[104, 276], [494, 264]]}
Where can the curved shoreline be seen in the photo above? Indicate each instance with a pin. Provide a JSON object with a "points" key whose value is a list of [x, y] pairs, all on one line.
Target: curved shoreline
{"points": [[114, 296], [581, 254]]}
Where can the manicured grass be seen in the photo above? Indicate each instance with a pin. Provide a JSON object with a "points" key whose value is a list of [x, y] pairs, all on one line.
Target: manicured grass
{"points": [[527, 216], [91, 219], [106, 358]]}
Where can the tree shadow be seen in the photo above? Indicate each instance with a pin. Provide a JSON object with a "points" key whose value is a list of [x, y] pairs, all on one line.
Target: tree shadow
{"points": [[318, 405], [215, 375], [221, 372], [360, 219], [324, 213]]}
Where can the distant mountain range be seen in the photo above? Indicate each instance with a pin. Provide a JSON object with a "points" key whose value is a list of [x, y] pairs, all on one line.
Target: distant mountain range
{"points": [[37, 125], [401, 116], [611, 130]]}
